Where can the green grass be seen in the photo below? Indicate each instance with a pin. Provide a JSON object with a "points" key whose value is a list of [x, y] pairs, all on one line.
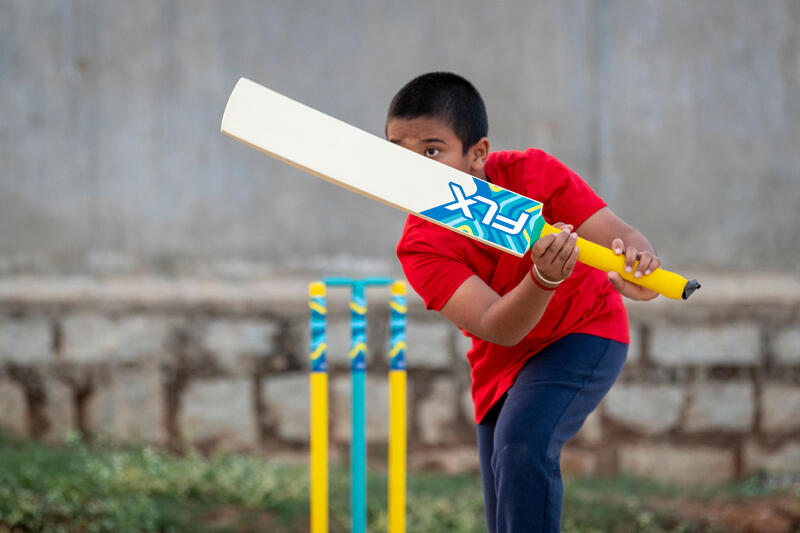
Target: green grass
{"points": [[101, 487]]}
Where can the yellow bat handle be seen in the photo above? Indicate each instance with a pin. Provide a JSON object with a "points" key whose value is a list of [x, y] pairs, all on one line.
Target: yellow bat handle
{"points": [[662, 281]]}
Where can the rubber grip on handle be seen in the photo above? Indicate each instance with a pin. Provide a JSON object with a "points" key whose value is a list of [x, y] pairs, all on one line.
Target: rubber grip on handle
{"points": [[662, 281]]}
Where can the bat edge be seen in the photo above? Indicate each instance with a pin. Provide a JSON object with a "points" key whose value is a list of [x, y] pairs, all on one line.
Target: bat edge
{"points": [[367, 195]]}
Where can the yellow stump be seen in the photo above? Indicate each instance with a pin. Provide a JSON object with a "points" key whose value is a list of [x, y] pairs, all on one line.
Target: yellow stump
{"points": [[397, 410], [397, 452], [319, 453], [319, 410]]}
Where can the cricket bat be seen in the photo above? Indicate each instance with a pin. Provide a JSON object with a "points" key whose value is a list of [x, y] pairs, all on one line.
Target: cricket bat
{"points": [[373, 167]]}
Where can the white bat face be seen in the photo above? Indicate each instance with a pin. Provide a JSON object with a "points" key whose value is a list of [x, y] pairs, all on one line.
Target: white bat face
{"points": [[327, 148]]}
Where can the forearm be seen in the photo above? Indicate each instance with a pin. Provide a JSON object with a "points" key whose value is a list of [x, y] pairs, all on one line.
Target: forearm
{"points": [[604, 226], [509, 318], [506, 319], [503, 320], [635, 238]]}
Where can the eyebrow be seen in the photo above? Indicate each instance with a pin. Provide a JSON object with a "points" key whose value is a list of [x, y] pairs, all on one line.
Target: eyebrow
{"points": [[431, 140]]}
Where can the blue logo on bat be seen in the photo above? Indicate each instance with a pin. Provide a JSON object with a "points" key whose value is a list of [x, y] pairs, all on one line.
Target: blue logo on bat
{"points": [[493, 214]]}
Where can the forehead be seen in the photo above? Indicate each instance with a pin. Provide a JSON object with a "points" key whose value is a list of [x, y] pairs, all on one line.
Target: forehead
{"points": [[418, 129]]}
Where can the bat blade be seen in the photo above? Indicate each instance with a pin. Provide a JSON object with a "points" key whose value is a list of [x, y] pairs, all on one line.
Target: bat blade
{"points": [[371, 166]]}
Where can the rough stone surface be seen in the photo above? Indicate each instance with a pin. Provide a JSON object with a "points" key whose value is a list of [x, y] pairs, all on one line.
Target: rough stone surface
{"points": [[131, 407], [14, 411], [237, 344], [220, 414], [785, 458], [436, 414], [787, 346], [101, 410], [90, 337], [300, 339], [141, 337], [141, 392], [592, 430], [576, 462], [780, 408], [677, 464], [287, 402], [675, 422], [453, 460], [732, 345], [377, 398], [337, 332], [59, 410], [635, 346], [647, 409], [720, 407], [429, 344], [463, 344], [25, 340], [467, 405]]}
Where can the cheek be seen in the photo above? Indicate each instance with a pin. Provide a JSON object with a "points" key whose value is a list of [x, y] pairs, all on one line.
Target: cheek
{"points": [[455, 161]]}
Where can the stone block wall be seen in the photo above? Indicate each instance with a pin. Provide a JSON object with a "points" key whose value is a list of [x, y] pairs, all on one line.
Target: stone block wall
{"points": [[710, 391]]}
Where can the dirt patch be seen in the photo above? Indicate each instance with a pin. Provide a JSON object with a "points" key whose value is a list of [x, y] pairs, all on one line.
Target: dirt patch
{"points": [[770, 514], [232, 518]]}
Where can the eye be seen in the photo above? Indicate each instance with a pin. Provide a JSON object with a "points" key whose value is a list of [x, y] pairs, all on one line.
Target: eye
{"points": [[431, 152]]}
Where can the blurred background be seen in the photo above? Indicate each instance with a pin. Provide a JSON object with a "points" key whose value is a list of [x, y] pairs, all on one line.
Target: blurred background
{"points": [[153, 272], [683, 115]]}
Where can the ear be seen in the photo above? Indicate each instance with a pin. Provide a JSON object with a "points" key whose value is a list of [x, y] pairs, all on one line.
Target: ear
{"points": [[478, 154]]}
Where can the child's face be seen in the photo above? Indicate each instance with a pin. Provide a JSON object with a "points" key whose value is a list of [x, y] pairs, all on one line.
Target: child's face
{"points": [[434, 138]]}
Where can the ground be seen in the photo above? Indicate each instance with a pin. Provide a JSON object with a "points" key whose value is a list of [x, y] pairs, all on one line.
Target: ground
{"points": [[93, 486]]}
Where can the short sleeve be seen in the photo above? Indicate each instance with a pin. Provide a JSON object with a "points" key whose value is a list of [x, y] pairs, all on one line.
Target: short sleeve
{"points": [[430, 265], [570, 200]]}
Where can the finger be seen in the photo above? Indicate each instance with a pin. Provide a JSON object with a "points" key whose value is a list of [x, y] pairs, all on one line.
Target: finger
{"points": [[645, 264], [550, 245], [617, 281], [570, 264], [555, 249], [630, 290], [637, 292], [618, 246], [541, 246], [562, 226], [655, 264], [566, 251], [630, 258]]}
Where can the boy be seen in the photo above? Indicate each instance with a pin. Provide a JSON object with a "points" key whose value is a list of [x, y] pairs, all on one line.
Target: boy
{"points": [[549, 335]]}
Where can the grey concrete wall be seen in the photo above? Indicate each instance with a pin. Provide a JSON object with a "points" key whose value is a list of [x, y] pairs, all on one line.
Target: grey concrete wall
{"points": [[684, 115]]}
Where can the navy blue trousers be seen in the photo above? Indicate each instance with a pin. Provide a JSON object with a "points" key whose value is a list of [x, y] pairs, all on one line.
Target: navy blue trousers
{"points": [[520, 439]]}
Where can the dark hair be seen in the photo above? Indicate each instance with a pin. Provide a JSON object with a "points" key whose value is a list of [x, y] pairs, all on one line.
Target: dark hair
{"points": [[445, 96]]}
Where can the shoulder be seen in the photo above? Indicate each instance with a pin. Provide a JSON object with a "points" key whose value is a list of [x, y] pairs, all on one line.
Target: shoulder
{"points": [[421, 236], [531, 171], [434, 260], [523, 161]]}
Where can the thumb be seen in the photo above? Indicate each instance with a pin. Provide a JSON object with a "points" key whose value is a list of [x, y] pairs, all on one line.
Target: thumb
{"points": [[616, 280]]}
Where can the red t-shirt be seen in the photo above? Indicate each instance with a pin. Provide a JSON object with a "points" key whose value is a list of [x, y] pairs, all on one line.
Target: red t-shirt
{"points": [[436, 261]]}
